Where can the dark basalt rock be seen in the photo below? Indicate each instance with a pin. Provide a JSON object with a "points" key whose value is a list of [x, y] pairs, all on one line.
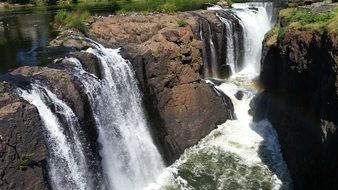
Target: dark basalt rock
{"points": [[23, 151], [239, 95], [300, 78], [89, 62]]}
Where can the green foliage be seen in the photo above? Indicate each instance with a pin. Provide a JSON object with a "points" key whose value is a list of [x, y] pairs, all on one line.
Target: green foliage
{"points": [[156, 53], [75, 19], [167, 8], [281, 34], [25, 160], [38, 2], [193, 43], [240, 1], [229, 2], [305, 19], [164, 6], [182, 23]]}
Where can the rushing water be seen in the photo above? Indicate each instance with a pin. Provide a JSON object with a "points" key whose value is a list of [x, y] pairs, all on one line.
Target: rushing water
{"points": [[130, 160], [67, 164], [240, 154]]}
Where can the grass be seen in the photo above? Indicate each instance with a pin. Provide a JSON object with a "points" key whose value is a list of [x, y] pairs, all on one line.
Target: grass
{"points": [[281, 33], [182, 23], [119, 6], [307, 20], [25, 160], [163, 6], [73, 19]]}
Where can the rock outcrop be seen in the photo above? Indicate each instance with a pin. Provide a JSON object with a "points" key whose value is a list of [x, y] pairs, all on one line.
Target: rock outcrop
{"points": [[166, 52], [22, 147], [300, 80]]}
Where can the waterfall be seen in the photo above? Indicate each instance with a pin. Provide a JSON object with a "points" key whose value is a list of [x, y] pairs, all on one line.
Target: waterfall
{"points": [[239, 154], [255, 19], [211, 66], [256, 23], [66, 161], [130, 160], [230, 35]]}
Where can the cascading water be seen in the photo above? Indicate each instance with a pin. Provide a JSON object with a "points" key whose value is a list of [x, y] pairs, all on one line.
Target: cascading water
{"points": [[67, 164], [256, 23], [130, 160], [230, 57], [255, 19], [211, 67], [240, 154]]}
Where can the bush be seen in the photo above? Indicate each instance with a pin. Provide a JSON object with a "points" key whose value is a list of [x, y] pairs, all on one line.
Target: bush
{"points": [[306, 19], [25, 160], [167, 8], [75, 19], [182, 23]]}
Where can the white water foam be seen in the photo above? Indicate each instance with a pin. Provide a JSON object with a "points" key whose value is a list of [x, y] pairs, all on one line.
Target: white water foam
{"points": [[130, 160], [66, 161], [240, 154]]}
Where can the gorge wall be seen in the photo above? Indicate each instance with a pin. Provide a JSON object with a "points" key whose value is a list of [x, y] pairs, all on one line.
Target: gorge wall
{"points": [[300, 81]]}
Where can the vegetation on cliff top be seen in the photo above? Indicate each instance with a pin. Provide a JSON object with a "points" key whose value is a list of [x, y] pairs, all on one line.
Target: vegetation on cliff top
{"points": [[167, 6], [307, 20]]}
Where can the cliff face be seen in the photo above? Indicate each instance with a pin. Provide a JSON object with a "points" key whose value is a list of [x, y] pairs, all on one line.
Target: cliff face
{"points": [[23, 150], [167, 58], [22, 146], [300, 80]]}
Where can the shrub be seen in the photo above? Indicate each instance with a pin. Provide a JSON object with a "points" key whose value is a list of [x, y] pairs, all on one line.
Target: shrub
{"points": [[25, 160], [167, 8], [75, 19], [182, 23]]}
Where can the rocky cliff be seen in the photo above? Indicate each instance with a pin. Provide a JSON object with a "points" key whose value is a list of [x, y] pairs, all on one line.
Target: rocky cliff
{"points": [[22, 147], [300, 81], [23, 150], [166, 52]]}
